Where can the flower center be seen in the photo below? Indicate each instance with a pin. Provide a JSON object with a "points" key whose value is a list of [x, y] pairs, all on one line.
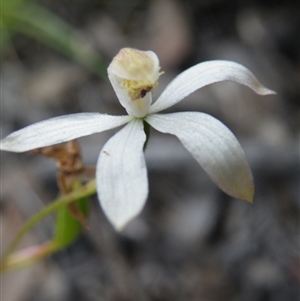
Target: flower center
{"points": [[137, 89]]}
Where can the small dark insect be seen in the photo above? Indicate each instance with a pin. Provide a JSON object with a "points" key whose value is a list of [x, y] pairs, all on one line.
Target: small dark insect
{"points": [[106, 153], [143, 92]]}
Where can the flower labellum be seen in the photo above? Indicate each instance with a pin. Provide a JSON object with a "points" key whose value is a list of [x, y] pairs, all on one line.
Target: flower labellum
{"points": [[121, 174], [133, 75]]}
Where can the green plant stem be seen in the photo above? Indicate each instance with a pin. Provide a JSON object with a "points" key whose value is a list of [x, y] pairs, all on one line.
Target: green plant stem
{"points": [[84, 191], [147, 130]]}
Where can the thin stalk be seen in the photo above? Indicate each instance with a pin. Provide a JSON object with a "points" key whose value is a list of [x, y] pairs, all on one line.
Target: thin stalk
{"points": [[147, 130], [84, 191]]}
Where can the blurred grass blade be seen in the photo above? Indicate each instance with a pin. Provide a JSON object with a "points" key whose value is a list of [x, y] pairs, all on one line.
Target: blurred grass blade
{"points": [[5, 39], [37, 22]]}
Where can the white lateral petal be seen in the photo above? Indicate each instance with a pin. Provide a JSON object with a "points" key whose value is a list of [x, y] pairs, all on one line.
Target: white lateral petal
{"points": [[121, 175], [60, 129], [215, 148], [202, 75]]}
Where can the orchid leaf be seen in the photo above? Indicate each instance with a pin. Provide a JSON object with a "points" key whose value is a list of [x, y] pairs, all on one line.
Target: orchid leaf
{"points": [[67, 227]]}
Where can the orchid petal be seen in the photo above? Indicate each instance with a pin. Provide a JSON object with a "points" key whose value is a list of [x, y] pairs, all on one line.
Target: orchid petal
{"points": [[122, 175], [60, 129], [202, 75], [215, 148]]}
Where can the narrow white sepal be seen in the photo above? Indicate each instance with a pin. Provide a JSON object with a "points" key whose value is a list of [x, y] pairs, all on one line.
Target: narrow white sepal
{"points": [[215, 148], [121, 175], [204, 74], [60, 129]]}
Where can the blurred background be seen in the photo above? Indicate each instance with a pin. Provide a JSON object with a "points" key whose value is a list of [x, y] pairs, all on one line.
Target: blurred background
{"points": [[191, 242]]}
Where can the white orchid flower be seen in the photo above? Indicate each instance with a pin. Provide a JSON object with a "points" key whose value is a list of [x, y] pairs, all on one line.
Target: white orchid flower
{"points": [[121, 175]]}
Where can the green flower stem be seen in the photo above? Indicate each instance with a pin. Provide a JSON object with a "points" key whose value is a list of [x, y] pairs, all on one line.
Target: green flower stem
{"points": [[147, 130], [84, 191]]}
